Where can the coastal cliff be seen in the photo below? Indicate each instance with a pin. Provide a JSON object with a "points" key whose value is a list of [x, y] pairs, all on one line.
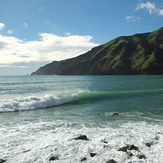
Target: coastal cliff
{"points": [[126, 55]]}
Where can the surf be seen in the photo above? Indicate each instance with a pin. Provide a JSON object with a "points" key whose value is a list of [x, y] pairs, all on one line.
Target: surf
{"points": [[34, 102], [49, 100]]}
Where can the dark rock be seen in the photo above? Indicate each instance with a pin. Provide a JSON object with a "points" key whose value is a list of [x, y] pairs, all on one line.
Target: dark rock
{"points": [[52, 158], [2, 160], [149, 144], [93, 154], [106, 146], [115, 114], [128, 147], [81, 137], [104, 141], [83, 159], [123, 149], [141, 156], [130, 154], [111, 161], [132, 147], [157, 138]]}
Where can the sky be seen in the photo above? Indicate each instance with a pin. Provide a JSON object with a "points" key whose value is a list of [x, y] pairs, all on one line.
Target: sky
{"points": [[36, 32]]}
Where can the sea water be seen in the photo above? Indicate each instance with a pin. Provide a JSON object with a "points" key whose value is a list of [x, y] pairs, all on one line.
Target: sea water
{"points": [[41, 117]]}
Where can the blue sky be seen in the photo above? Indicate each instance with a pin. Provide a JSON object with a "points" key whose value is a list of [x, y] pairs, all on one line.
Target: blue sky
{"points": [[36, 32]]}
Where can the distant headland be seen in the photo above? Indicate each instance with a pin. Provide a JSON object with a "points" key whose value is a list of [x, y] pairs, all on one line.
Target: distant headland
{"points": [[140, 54]]}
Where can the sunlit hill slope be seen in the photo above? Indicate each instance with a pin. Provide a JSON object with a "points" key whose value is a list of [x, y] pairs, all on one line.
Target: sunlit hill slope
{"points": [[137, 54]]}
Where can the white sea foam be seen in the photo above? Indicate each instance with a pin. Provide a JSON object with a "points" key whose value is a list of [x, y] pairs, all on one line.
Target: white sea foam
{"points": [[35, 102], [37, 143]]}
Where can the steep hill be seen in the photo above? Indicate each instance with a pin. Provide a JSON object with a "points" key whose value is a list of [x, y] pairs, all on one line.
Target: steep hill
{"points": [[137, 54]]}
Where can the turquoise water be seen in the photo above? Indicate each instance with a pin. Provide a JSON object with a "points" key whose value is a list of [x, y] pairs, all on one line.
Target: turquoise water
{"points": [[38, 112]]}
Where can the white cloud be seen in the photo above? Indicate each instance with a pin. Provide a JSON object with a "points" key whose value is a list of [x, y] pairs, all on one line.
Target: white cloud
{"points": [[151, 8], [10, 32], [132, 18], [161, 12], [2, 26], [49, 47]]}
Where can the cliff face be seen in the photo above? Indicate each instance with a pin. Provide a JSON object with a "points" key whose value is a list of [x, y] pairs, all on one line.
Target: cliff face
{"points": [[137, 54]]}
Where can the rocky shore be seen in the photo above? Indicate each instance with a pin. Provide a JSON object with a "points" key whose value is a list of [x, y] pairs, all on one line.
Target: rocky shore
{"points": [[129, 150], [91, 145]]}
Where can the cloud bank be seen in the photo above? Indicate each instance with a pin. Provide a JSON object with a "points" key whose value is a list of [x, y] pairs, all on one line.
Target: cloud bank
{"points": [[2, 26], [15, 52], [151, 8]]}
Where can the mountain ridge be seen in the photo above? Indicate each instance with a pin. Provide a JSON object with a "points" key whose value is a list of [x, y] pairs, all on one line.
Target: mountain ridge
{"points": [[126, 55]]}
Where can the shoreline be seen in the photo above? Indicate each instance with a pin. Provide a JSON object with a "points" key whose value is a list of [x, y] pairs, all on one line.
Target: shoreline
{"points": [[132, 142]]}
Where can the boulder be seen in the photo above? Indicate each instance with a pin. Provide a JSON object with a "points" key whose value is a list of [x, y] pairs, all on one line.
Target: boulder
{"points": [[128, 147], [141, 156], [83, 159], [111, 161], [93, 154], [149, 144], [52, 158], [123, 149], [115, 114], [104, 141], [2, 160], [81, 137], [131, 147], [129, 154]]}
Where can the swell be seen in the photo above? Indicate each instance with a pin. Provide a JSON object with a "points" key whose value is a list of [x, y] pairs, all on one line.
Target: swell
{"points": [[35, 102], [117, 94]]}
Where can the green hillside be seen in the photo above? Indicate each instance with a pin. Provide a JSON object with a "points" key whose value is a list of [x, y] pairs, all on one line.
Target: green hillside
{"points": [[137, 54]]}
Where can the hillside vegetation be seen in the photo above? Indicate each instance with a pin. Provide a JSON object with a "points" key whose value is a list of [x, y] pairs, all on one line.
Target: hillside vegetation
{"points": [[137, 54]]}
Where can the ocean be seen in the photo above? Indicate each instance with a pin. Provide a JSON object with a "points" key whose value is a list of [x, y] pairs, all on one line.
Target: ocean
{"points": [[72, 119]]}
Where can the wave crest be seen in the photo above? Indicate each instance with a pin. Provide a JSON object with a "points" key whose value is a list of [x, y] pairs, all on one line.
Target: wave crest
{"points": [[34, 102]]}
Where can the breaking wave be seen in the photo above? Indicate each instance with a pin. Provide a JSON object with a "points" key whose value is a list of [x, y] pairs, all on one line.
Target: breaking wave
{"points": [[34, 102], [46, 101]]}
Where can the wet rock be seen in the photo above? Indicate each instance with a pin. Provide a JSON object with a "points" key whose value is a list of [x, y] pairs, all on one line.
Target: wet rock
{"points": [[103, 141], [83, 159], [141, 156], [123, 149], [132, 147], [129, 154], [93, 154], [115, 114], [81, 137], [52, 158], [149, 144], [157, 138], [2, 160], [111, 161], [128, 147]]}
